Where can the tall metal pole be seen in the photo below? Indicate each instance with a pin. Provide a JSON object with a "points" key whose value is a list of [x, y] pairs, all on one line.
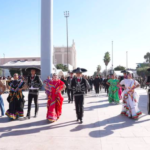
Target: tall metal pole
{"points": [[112, 58], [126, 59], [4, 63], [66, 14], [46, 38]]}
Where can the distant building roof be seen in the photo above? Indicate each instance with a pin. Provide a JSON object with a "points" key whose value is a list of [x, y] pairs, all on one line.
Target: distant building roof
{"points": [[23, 65]]}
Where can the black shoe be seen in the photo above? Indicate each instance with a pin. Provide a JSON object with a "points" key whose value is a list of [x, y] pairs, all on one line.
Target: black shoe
{"points": [[68, 101], [81, 121], [35, 116], [77, 120], [27, 117]]}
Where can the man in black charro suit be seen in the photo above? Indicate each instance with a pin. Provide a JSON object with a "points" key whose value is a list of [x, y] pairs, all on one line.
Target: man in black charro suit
{"points": [[34, 83], [79, 86]]}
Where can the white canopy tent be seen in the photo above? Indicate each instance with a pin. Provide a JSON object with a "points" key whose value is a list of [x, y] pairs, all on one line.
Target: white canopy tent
{"points": [[23, 65]]}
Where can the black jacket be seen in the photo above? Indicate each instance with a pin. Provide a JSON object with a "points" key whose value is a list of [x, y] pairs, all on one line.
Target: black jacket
{"points": [[35, 83], [79, 87], [96, 82]]}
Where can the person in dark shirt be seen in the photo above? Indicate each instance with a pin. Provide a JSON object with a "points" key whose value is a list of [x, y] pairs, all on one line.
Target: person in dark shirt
{"points": [[63, 79], [90, 80], [101, 82], [96, 85], [69, 89], [106, 85]]}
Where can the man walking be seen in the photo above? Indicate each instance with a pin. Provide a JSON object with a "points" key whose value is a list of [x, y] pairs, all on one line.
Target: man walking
{"points": [[69, 90], [79, 85], [35, 83]]}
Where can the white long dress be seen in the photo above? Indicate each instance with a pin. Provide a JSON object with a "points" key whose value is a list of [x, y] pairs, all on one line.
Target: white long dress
{"points": [[130, 99]]}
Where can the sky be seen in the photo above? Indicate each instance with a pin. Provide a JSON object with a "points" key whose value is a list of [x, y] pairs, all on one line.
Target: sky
{"points": [[93, 24]]}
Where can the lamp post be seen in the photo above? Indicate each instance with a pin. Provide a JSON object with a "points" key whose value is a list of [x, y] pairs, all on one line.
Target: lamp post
{"points": [[126, 59], [66, 14], [112, 59], [4, 63]]}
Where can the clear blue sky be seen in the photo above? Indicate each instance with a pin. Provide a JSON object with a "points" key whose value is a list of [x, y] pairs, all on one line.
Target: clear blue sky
{"points": [[93, 24]]}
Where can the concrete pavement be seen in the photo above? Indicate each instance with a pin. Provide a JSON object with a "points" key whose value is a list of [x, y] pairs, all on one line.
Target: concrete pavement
{"points": [[103, 128]]}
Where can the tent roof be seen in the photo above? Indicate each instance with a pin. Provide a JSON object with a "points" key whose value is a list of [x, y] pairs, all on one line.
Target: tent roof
{"points": [[22, 65]]}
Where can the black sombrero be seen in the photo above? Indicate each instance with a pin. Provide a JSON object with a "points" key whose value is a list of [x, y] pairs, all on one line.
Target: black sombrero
{"points": [[124, 71], [79, 70]]}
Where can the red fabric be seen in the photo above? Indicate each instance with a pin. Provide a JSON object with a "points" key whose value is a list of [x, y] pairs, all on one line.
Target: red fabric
{"points": [[55, 100], [120, 93], [78, 80]]}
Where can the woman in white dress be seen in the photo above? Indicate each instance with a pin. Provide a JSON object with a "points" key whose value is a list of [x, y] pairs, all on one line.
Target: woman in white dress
{"points": [[130, 97]]}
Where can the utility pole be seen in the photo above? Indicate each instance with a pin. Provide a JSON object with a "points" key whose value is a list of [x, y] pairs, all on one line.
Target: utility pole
{"points": [[126, 59], [112, 58], [66, 14], [4, 63]]}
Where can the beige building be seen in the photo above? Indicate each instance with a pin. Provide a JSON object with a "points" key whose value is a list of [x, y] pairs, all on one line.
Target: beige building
{"points": [[59, 56]]}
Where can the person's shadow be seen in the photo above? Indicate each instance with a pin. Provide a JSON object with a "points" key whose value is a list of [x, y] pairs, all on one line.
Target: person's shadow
{"points": [[114, 123], [8, 131]]}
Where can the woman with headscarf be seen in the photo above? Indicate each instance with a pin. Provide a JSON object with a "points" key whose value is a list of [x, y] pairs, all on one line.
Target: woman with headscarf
{"points": [[55, 99], [130, 97]]}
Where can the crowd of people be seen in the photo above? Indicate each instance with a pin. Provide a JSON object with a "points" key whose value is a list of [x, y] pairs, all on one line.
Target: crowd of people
{"points": [[76, 85]]}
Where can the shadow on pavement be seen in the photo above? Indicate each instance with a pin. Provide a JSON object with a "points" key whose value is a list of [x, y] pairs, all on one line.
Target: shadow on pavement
{"points": [[114, 123], [98, 101], [9, 130], [143, 103], [98, 106]]}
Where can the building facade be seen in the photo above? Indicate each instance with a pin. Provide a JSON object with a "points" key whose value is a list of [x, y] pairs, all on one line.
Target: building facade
{"points": [[60, 55]]}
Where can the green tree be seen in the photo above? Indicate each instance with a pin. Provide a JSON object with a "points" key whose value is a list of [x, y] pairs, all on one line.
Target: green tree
{"points": [[1, 72], [98, 68], [143, 71], [62, 67], [118, 68], [13, 71], [106, 60], [147, 57]]}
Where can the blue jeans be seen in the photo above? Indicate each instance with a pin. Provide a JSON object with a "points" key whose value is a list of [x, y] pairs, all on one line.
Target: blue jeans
{"points": [[2, 106]]}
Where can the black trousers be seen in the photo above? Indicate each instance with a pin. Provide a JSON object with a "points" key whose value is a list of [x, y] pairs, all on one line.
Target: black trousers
{"points": [[35, 97], [79, 102], [70, 94], [91, 87], [97, 89], [106, 89], [100, 87]]}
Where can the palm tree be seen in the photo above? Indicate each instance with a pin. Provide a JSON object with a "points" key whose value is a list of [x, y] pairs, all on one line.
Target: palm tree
{"points": [[106, 60], [147, 57], [98, 69]]}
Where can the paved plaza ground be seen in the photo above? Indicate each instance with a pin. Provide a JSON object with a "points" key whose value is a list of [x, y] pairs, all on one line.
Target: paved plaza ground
{"points": [[103, 128]]}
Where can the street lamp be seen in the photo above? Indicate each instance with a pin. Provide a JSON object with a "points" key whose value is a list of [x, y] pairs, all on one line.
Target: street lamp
{"points": [[112, 59], [126, 59], [4, 63], [66, 14]]}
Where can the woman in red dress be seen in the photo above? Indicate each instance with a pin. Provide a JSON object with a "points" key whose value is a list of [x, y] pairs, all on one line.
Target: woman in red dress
{"points": [[53, 89]]}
